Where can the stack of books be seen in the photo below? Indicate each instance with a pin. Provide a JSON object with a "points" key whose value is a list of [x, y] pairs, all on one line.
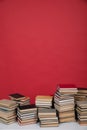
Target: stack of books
{"points": [[64, 104], [82, 112], [20, 99], [48, 117], [27, 114], [81, 95], [44, 101], [7, 111]]}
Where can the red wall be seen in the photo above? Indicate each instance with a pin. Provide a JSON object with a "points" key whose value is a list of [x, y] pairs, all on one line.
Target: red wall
{"points": [[42, 43]]}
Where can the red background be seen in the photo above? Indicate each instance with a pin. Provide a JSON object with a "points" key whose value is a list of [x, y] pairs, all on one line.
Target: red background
{"points": [[42, 43]]}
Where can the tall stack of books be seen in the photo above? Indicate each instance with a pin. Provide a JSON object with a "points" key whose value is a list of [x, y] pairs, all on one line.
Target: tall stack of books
{"points": [[48, 117], [27, 114], [44, 101], [64, 104], [82, 112], [81, 95], [7, 111], [20, 99]]}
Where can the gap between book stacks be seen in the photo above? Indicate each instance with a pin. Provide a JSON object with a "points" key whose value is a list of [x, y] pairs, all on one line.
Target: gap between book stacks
{"points": [[66, 105]]}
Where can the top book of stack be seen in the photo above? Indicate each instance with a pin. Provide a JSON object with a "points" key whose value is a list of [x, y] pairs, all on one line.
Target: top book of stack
{"points": [[20, 99], [82, 90], [81, 95], [7, 104], [43, 101], [16, 96], [67, 91]]}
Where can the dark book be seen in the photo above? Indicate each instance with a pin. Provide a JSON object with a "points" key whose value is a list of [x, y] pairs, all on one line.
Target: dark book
{"points": [[82, 88], [27, 107], [16, 96], [66, 85], [82, 91]]}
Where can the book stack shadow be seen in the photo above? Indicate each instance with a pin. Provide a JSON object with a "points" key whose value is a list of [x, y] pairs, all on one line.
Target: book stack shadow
{"points": [[8, 111], [27, 114], [46, 114], [64, 104], [82, 112]]}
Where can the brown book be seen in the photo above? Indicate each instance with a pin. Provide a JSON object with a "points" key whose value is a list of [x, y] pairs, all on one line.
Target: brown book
{"points": [[7, 114], [27, 120], [68, 90], [8, 103], [64, 108], [66, 114], [69, 119], [47, 112], [16, 96], [48, 121], [82, 104], [49, 125], [48, 118], [83, 123], [44, 98], [10, 121], [82, 117], [26, 123], [81, 112], [82, 90]]}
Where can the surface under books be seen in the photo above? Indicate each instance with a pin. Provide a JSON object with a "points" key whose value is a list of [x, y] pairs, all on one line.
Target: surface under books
{"points": [[63, 126]]}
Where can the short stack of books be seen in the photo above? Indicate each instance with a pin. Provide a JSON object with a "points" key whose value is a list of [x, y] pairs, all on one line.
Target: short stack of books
{"points": [[44, 101], [20, 99], [82, 112], [48, 117], [27, 114], [81, 95], [7, 111], [64, 104]]}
